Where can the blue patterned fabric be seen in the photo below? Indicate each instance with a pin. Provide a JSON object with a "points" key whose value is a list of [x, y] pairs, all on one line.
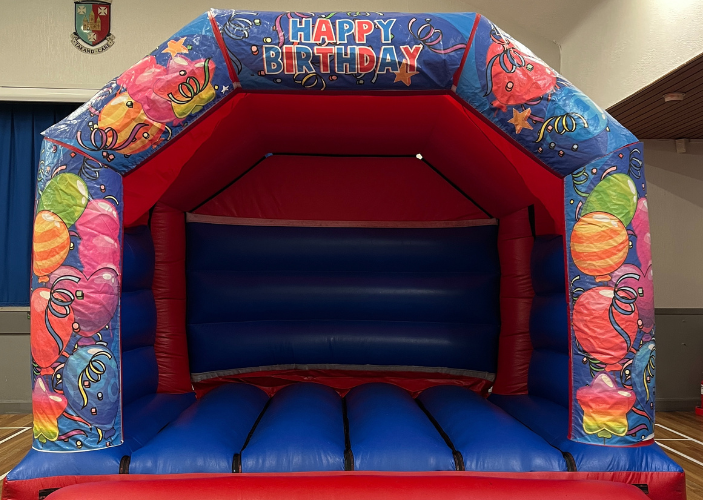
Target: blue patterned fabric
{"points": [[534, 105], [344, 50], [147, 106], [609, 263]]}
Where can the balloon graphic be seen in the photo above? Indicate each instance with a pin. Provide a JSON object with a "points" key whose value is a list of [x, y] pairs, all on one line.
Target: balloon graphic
{"points": [[124, 127], [573, 115], [51, 325], [643, 375], [99, 252], [515, 77], [139, 82], [99, 217], [599, 244], [605, 322], [632, 277], [50, 243], [186, 84], [616, 194], [605, 407], [95, 299], [47, 407], [640, 224], [66, 195], [91, 385]]}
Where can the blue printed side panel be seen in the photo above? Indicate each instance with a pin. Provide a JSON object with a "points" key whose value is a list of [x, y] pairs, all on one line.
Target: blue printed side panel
{"points": [[75, 338], [535, 105], [148, 105], [612, 303], [344, 50]]}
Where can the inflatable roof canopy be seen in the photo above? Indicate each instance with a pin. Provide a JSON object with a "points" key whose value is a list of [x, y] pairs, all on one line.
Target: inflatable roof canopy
{"points": [[382, 146]]}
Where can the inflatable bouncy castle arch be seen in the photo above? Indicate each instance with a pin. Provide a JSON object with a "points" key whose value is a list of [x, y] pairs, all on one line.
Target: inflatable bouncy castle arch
{"points": [[337, 243]]}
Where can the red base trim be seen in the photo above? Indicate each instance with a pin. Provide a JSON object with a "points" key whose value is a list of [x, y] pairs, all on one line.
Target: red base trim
{"points": [[699, 411], [343, 380], [354, 485]]}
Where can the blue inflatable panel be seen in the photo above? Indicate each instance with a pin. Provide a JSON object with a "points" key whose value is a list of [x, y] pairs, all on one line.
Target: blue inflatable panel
{"points": [[264, 343], [150, 414], [137, 259], [140, 374], [488, 438], [547, 376], [549, 322], [404, 297], [301, 249], [551, 421], [389, 432], [547, 265], [301, 430], [138, 320], [206, 436], [142, 420], [225, 295]]}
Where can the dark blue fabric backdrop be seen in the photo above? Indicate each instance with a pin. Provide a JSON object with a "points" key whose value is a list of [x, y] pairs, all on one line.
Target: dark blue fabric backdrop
{"points": [[21, 124]]}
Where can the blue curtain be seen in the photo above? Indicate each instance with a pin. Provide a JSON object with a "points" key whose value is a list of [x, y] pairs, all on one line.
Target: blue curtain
{"points": [[21, 125]]}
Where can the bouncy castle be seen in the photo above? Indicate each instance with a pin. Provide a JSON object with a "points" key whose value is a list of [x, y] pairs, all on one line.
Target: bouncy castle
{"points": [[341, 252]]}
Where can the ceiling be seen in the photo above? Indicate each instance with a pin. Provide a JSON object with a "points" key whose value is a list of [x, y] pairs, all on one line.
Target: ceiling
{"points": [[648, 116]]}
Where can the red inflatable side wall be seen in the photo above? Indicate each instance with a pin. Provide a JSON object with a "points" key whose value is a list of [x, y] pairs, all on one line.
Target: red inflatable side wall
{"points": [[515, 242], [354, 485], [168, 233]]}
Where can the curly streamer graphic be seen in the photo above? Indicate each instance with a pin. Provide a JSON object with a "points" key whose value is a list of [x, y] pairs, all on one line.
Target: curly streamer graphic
{"points": [[578, 179], [510, 59], [429, 36], [69, 434], [635, 164], [237, 28], [648, 373], [623, 302], [189, 89], [90, 169], [310, 80], [59, 305], [93, 373], [106, 139], [561, 124], [351, 14], [576, 291], [626, 374], [594, 366]]}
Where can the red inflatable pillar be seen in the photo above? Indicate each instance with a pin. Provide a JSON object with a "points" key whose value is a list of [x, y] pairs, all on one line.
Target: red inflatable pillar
{"points": [[169, 235], [515, 241]]}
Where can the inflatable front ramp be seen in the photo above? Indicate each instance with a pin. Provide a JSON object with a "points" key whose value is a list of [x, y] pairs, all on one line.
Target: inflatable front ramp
{"points": [[349, 487]]}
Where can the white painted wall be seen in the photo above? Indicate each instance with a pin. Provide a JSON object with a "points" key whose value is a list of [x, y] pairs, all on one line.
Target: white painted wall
{"points": [[36, 49], [624, 45], [675, 199]]}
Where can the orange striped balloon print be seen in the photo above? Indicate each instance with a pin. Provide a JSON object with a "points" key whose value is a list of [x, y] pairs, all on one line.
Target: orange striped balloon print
{"points": [[599, 244], [50, 243]]}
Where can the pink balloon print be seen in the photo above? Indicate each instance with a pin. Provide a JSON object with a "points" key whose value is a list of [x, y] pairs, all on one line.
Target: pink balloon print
{"points": [[644, 287], [640, 224], [99, 217], [98, 252], [95, 298]]}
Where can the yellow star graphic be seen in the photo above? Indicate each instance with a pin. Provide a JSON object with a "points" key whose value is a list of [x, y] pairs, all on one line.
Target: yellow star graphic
{"points": [[403, 75], [520, 120], [175, 47]]}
